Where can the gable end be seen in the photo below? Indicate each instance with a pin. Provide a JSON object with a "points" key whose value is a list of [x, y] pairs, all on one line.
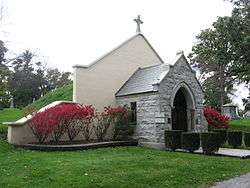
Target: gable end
{"points": [[188, 65], [113, 50]]}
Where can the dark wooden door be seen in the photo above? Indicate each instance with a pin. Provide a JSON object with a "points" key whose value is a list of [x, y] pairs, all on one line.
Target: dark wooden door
{"points": [[179, 112]]}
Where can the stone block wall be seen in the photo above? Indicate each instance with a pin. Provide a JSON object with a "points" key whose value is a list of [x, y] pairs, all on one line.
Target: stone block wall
{"points": [[181, 75], [154, 109], [149, 118]]}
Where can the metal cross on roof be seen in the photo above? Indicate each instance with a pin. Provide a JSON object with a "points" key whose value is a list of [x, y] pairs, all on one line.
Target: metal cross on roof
{"points": [[138, 22]]}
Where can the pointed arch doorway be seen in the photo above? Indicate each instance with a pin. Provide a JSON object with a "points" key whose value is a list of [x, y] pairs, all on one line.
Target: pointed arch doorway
{"points": [[179, 112], [183, 108]]}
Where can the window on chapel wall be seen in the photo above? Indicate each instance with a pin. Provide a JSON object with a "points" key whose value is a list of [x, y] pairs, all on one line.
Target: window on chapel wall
{"points": [[133, 114]]}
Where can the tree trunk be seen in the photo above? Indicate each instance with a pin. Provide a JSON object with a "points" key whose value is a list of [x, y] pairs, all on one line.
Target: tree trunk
{"points": [[222, 87]]}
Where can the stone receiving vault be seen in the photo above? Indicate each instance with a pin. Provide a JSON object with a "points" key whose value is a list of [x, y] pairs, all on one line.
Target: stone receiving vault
{"points": [[162, 96], [167, 97]]}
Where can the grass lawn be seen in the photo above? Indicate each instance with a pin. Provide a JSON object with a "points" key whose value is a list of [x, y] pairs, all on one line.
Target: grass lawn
{"points": [[242, 125], [64, 93], [9, 114], [114, 167], [13, 114]]}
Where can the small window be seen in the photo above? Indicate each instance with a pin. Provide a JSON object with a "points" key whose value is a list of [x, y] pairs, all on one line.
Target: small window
{"points": [[133, 112], [169, 120], [197, 121]]}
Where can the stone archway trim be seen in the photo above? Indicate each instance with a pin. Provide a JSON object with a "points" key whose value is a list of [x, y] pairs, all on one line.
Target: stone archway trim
{"points": [[188, 91]]}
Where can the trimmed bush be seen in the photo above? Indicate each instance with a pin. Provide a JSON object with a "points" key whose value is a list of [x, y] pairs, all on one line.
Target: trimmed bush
{"points": [[173, 139], [210, 142], [190, 141], [247, 139], [234, 138], [222, 135]]}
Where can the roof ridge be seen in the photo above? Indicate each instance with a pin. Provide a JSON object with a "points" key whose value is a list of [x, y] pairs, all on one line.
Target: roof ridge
{"points": [[143, 68]]}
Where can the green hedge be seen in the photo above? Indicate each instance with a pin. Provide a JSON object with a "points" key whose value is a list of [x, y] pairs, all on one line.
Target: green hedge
{"points": [[247, 139], [210, 142], [190, 141], [173, 139], [234, 138], [222, 135]]}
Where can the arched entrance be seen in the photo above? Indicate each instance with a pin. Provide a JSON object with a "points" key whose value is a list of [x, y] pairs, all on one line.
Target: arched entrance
{"points": [[182, 107], [179, 112]]}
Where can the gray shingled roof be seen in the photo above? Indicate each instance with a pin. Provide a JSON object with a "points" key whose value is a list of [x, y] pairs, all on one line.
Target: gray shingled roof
{"points": [[143, 80]]}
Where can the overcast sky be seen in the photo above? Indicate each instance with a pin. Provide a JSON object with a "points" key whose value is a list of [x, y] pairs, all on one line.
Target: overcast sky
{"points": [[68, 32]]}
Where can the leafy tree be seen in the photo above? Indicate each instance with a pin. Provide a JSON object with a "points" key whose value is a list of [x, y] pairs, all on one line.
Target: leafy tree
{"points": [[3, 50], [212, 94], [246, 102], [56, 78], [222, 54], [24, 85], [5, 72], [242, 10], [32, 79], [41, 71]]}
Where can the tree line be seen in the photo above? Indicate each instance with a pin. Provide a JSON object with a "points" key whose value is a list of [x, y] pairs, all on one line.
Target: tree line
{"points": [[24, 79], [222, 54]]}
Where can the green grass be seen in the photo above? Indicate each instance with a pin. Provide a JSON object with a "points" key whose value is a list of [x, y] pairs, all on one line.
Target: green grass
{"points": [[114, 167], [111, 167], [13, 114], [9, 114], [241, 125], [63, 93]]}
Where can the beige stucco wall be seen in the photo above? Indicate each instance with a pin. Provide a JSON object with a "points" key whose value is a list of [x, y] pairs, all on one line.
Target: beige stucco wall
{"points": [[98, 83], [20, 135]]}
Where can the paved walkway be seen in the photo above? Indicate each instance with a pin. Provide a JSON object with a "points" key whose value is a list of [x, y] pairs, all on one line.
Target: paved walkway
{"points": [[242, 153], [237, 182], [239, 153]]}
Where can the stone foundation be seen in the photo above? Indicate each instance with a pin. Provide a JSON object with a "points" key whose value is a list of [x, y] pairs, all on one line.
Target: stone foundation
{"points": [[154, 145]]}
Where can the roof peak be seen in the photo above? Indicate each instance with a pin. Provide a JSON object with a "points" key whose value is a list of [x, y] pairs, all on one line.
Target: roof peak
{"points": [[114, 49]]}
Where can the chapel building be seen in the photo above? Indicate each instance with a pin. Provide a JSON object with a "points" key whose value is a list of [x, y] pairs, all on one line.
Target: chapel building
{"points": [[162, 96]]}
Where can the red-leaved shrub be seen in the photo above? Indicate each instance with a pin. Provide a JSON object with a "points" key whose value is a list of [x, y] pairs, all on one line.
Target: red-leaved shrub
{"points": [[120, 118], [102, 122], [83, 122], [116, 112], [43, 124], [73, 118], [215, 119], [65, 117]]}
